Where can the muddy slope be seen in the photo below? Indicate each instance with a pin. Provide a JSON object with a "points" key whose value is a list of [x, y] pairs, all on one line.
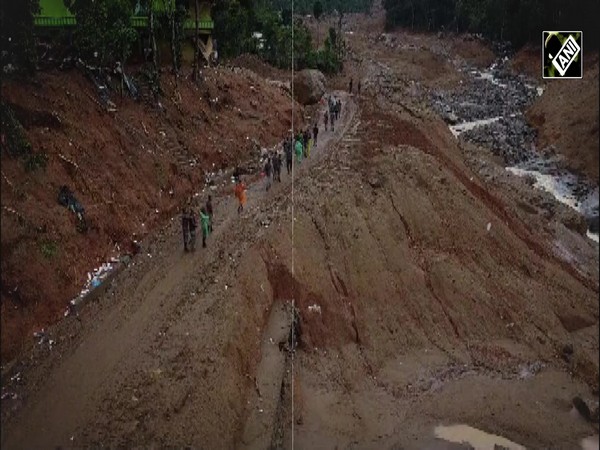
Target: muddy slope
{"points": [[130, 169]]}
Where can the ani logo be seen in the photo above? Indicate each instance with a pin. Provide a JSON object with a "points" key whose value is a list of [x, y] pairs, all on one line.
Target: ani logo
{"points": [[562, 54]]}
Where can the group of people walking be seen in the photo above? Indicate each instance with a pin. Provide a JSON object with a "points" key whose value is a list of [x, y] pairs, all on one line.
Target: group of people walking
{"points": [[301, 146], [189, 224], [332, 113]]}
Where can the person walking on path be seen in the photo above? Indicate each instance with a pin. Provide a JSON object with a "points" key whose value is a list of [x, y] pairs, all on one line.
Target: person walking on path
{"points": [[268, 171], [326, 119], [338, 108], [209, 211], [299, 149], [185, 228], [350, 87], [193, 226], [358, 87], [276, 168], [289, 156], [205, 219], [240, 193], [315, 133], [332, 113], [306, 142]]}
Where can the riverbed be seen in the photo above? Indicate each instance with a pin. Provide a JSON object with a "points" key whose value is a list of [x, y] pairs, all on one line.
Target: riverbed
{"points": [[488, 110]]}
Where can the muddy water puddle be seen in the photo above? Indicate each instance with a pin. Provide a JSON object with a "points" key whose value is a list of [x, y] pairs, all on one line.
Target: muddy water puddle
{"points": [[473, 438], [477, 439]]}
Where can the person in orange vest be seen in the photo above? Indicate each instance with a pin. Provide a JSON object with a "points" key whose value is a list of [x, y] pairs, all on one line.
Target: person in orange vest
{"points": [[240, 193]]}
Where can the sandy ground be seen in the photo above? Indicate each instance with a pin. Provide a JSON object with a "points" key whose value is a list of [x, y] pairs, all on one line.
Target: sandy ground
{"points": [[426, 297]]}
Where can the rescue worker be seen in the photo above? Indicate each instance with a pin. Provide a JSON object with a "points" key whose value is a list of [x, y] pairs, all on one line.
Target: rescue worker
{"points": [[299, 149], [315, 133], [277, 167], [209, 211], [193, 225], [305, 142], [205, 219], [268, 171], [240, 193], [289, 156], [185, 228]]}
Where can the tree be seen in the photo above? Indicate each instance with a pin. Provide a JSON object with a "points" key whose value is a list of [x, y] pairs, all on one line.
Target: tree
{"points": [[318, 9], [172, 17], [196, 69], [16, 19], [103, 33]]}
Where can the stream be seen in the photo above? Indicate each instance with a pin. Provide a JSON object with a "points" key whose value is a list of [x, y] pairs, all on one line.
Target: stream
{"points": [[489, 110]]}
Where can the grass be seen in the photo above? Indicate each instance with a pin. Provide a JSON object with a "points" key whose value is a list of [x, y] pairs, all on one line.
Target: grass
{"points": [[49, 249]]}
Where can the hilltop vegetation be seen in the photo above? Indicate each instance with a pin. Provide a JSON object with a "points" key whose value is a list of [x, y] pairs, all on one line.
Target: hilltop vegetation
{"points": [[517, 21], [104, 35]]}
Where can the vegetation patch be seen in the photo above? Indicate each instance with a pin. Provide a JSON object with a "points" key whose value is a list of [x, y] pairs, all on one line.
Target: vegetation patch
{"points": [[48, 248]]}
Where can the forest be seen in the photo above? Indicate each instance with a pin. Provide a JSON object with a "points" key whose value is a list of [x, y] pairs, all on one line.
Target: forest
{"points": [[516, 21], [104, 34]]}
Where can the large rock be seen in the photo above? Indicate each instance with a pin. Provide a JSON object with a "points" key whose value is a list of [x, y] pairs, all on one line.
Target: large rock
{"points": [[309, 86]]}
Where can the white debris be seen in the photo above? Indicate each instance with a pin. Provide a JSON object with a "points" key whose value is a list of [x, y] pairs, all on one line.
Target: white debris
{"points": [[315, 308], [489, 226], [10, 395], [16, 377]]}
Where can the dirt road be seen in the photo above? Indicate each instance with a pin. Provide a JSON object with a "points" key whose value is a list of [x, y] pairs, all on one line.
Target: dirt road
{"points": [[174, 327]]}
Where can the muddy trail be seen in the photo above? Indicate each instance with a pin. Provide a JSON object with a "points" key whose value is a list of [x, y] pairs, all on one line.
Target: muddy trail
{"points": [[175, 334], [431, 302]]}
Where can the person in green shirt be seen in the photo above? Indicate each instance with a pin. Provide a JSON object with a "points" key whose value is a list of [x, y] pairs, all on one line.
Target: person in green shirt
{"points": [[299, 148], [205, 220]]}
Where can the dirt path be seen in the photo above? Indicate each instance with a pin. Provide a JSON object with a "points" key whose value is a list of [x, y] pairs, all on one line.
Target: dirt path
{"points": [[128, 333]]}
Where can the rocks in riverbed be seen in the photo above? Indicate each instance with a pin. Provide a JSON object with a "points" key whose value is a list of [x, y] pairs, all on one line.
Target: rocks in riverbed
{"points": [[509, 138], [594, 225]]}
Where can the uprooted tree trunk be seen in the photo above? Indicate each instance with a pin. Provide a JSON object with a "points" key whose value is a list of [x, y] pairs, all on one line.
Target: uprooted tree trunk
{"points": [[151, 31], [173, 43], [196, 73]]}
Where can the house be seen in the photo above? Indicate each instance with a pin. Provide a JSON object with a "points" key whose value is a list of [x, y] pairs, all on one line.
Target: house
{"points": [[55, 15]]}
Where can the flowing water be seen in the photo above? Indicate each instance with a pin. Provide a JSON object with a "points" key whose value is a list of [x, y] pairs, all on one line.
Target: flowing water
{"points": [[490, 112]]}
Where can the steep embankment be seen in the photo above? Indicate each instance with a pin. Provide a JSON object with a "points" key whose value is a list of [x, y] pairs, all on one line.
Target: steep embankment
{"points": [[130, 169], [418, 276]]}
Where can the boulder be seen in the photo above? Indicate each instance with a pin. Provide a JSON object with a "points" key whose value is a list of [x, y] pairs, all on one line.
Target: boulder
{"points": [[309, 86], [594, 225]]}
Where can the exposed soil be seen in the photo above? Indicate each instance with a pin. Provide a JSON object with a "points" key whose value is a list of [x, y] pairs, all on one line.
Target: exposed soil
{"points": [[426, 295], [130, 170]]}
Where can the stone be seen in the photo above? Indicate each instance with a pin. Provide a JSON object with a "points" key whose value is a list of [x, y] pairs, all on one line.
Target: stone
{"points": [[594, 225], [582, 408], [309, 86]]}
